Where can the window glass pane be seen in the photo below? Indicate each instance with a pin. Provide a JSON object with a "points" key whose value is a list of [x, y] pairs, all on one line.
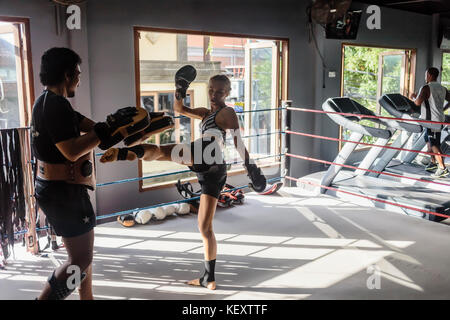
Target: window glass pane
{"points": [[9, 95], [446, 70], [165, 103], [162, 54], [260, 122], [362, 77], [148, 102], [392, 65]]}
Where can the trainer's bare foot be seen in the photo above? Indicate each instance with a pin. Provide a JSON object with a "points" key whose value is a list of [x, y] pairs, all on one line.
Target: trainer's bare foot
{"points": [[196, 282]]}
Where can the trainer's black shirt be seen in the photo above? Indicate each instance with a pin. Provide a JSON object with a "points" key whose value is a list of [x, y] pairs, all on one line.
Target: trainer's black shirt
{"points": [[51, 123]]}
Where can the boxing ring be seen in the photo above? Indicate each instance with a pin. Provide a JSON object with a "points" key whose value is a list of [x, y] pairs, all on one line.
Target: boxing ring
{"points": [[290, 245]]}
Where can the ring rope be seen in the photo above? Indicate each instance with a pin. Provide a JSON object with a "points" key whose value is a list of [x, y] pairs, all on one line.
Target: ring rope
{"points": [[366, 116], [121, 213], [366, 144], [244, 111], [172, 173], [367, 170], [231, 139], [367, 197]]}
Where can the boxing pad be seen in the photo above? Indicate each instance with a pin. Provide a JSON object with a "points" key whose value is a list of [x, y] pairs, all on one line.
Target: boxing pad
{"points": [[183, 78], [121, 124], [158, 123], [258, 180]]}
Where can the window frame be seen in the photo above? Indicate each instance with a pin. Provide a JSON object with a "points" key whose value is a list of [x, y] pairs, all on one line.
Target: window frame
{"points": [[27, 77], [281, 91], [410, 75]]}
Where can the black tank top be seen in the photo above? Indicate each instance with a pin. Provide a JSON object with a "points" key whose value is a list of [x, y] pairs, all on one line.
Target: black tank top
{"points": [[209, 123]]}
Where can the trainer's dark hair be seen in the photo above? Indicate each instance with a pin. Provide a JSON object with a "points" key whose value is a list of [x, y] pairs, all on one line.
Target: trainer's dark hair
{"points": [[55, 63], [223, 78], [434, 72]]}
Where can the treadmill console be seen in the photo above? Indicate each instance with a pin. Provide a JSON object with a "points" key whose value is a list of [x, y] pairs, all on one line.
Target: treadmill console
{"points": [[397, 102]]}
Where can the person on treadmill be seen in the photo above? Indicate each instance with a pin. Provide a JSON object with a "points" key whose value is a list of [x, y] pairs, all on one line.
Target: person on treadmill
{"points": [[431, 99]]}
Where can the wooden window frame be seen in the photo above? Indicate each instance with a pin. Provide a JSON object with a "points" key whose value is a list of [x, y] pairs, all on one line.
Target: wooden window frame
{"points": [[26, 69], [410, 75], [281, 92]]}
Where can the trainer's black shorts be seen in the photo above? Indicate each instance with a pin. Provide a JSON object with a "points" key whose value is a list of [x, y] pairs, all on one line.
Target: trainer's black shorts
{"points": [[433, 137], [67, 207]]}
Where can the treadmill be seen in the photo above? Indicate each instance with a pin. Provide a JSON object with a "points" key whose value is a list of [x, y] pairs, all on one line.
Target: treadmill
{"points": [[357, 182], [401, 162]]}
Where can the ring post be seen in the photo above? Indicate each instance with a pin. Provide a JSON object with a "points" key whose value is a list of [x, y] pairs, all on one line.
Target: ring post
{"points": [[283, 168]]}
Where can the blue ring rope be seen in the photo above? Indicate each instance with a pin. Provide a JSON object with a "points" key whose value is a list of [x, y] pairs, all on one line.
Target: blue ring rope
{"points": [[121, 213], [172, 173], [25, 231], [244, 111], [230, 139]]}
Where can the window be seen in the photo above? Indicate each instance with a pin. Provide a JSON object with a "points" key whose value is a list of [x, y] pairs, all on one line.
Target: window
{"points": [[16, 92], [255, 68], [446, 70], [370, 72]]}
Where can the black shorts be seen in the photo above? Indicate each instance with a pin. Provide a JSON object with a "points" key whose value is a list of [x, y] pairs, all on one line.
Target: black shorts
{"points": [[434, 138], [67, 207], [204, 155], [213, 180], [211, 172]]}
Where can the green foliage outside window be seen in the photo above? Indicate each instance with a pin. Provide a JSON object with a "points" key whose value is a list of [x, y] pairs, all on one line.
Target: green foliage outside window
{"points": [[446, 70], [361, 66]]}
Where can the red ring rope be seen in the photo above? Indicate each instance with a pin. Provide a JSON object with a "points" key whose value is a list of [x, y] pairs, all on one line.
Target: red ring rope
{"points": [[365, 116], [367, 170], [366, 144], [367, 197]]}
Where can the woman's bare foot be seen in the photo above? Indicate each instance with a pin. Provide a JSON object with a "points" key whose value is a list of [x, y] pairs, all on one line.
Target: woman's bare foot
{"points": [[196, 282]]}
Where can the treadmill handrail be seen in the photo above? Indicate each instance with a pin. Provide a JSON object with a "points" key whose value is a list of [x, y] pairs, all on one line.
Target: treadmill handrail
{"points": [[339, 104]]}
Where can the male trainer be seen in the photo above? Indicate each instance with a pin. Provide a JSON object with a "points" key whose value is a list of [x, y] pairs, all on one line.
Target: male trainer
{"points": [[431, 99], [65, 166]]}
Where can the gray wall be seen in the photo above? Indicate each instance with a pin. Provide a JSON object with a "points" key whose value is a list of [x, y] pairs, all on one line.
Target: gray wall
{"points": [[399, 29], [105, 43], [110, 39]]}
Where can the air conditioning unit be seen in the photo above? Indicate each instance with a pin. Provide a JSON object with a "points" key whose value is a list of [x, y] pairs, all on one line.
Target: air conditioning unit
{"points": [[444, 39]]}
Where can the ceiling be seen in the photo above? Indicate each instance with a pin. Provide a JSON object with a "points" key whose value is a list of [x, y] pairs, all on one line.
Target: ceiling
{"points": [[420, 6]]}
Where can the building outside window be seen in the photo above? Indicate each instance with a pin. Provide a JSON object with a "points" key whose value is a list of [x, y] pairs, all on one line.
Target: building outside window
{"points": [[253, 67]]}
